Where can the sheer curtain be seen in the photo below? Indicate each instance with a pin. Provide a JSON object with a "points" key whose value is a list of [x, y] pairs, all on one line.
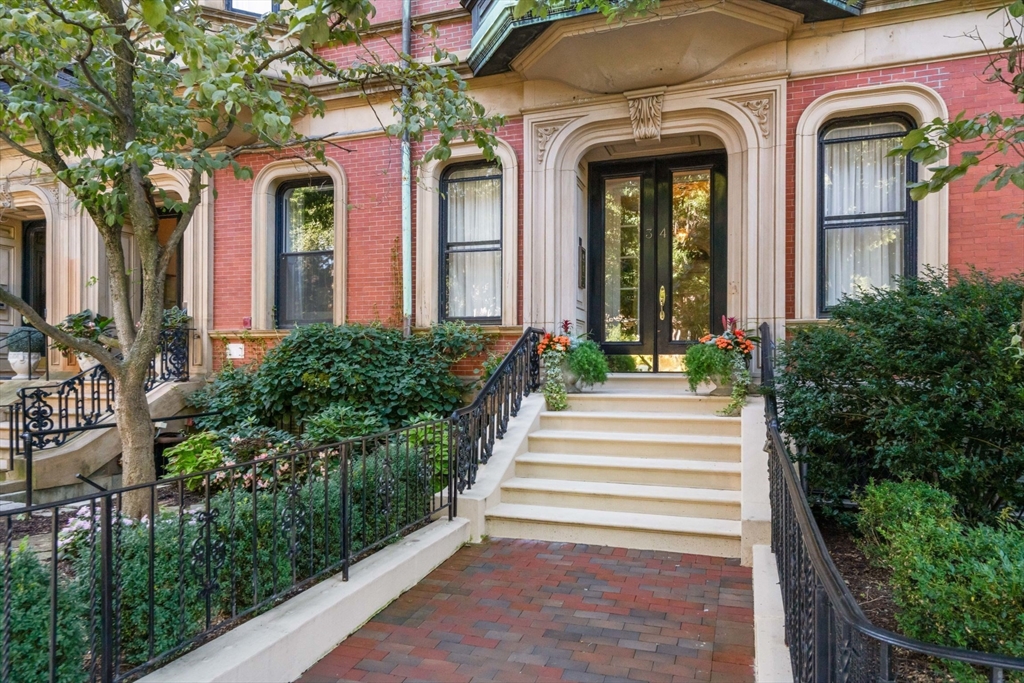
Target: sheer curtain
{"points": [[865, 208], [473, 243]]}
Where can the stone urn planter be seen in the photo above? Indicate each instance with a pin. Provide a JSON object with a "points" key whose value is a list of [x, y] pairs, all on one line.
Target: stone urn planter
{"points": [[722, 389], [24, 363]]}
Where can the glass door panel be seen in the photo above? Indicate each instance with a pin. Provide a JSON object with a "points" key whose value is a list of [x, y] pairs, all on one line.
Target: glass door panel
{"points": [[622, 259], [691, 255]]}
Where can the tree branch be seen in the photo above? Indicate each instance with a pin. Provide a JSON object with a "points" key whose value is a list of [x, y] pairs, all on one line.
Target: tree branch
{"points": [[59, 91], [98, 351]]}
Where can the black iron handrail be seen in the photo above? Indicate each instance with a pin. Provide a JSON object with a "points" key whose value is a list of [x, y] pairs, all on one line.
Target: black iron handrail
{"points": [[86, 398], [479, 424], [828, 635], [22, 332]]}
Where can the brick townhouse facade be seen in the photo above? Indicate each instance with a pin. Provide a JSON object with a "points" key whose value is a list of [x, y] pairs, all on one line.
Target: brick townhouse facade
{"points": [[711, 157]]}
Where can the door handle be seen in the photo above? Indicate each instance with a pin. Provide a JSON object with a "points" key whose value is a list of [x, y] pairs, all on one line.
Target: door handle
{"points": [[661, 301]]}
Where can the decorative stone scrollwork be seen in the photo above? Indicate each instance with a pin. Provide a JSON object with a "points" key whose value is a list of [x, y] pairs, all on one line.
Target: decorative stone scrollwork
{"points": [[761, 109], [645, 115], [544, 135]]}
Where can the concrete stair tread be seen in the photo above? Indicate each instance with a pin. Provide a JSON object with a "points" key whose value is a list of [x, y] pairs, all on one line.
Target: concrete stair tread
{"points": [[665, 524], [639, 491], [598, 415], [681, 439], [626, 396], [616, 462]]}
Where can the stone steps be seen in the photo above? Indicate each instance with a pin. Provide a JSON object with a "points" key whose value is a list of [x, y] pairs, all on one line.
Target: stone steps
{"points": [[626, 445]]}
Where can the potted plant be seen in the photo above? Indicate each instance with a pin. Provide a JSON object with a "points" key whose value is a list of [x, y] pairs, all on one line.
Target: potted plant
{"points": [[552, 351], [586, 363], [723, 359], [84, 325], [26, 346], [569, 363]]}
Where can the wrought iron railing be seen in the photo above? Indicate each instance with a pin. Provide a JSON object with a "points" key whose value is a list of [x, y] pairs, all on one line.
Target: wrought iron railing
{"points": [[829, 637], [125, 595], [216, 547], [86, 398], [479, 424], [25, 334]]}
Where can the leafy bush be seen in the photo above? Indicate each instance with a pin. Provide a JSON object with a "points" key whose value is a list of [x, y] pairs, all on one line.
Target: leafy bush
{"points": [[30, 623], [370, 366], [197, 453], [913, 383], [707, 363], [26, 340], [390, 489], [433, 435], [230, 393], [587, 361], [339, 422], [490, 364], [956, 585]]}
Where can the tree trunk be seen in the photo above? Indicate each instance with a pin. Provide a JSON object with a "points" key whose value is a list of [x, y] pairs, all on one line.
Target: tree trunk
{"points": [[136, 429]]}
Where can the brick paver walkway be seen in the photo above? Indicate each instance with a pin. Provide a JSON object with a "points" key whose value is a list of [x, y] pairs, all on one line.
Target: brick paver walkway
{"points": [[535, 611]]}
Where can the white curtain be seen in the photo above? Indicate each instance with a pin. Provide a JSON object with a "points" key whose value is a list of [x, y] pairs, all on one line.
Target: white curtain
{"points": [[474, 239], [860, 179]]}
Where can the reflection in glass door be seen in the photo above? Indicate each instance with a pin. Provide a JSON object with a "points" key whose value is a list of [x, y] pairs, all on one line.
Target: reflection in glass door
{"points": [[657, 258]]}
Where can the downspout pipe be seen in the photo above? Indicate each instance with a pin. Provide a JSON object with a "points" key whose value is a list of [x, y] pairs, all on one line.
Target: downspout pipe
{"points": [[406, 184]]}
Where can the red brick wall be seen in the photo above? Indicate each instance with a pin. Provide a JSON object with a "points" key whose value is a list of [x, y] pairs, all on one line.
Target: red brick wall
{"points": [[373, 169], [978, 235]]}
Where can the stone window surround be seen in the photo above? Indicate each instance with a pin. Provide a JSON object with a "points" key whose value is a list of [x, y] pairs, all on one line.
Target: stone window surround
{"points": [[428, 208], [264, 206], [919, 102]]}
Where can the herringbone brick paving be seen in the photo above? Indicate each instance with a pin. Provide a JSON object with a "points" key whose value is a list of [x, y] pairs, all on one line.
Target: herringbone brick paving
{"points": [[537, 611]]}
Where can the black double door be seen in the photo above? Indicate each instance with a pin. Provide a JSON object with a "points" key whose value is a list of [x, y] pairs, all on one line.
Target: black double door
{"points": [[657, 257]]}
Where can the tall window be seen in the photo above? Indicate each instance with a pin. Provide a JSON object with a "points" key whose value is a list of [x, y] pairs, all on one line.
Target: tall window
{"points": [[867, 235], [470, 243], [305, 252]]}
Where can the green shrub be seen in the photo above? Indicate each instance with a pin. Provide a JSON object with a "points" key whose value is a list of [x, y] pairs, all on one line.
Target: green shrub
{"points": [[30, 623], [587, 361], [339, 422], [231, 394], [955, 585], [369, 366], [390, 489], [705, 362], [26, 340], [913, 383], [197, 453], [434, 436], [491, 364]]}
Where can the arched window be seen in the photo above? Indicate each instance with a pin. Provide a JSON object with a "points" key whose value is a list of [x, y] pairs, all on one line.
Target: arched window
{"points": [[471, 244], [305, 252], [867, 232]]}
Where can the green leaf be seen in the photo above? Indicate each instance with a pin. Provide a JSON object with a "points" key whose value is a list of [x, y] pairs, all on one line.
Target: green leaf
{"points": [[154, 13]]}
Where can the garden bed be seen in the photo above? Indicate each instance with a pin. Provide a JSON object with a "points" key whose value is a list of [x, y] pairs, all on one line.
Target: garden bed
{"points": [[870, 586]]}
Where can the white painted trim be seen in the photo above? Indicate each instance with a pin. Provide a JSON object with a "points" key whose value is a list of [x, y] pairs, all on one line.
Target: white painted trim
{"points": [[277, 647], [486, 492], [771, 656], [919, 102], [428, 207], [264, 193]]}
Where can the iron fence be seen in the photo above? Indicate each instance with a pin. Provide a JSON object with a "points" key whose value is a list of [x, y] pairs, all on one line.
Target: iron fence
{"points": [[829, 638], [93, 593]]}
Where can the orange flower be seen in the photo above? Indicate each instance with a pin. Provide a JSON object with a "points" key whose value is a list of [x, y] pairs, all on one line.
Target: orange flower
{"points": [[705, 339]]}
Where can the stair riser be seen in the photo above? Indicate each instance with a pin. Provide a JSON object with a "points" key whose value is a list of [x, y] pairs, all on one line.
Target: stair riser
{"points": [[634, 449], [723, 481], [622, 504], [711, 426], [714, 546], [610, 403], [648, 384]]}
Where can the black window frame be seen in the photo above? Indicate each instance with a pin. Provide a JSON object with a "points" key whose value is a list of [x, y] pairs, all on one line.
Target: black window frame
{"points": [[280, 238], [907, 217], [443, 244], [229, 6]]}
